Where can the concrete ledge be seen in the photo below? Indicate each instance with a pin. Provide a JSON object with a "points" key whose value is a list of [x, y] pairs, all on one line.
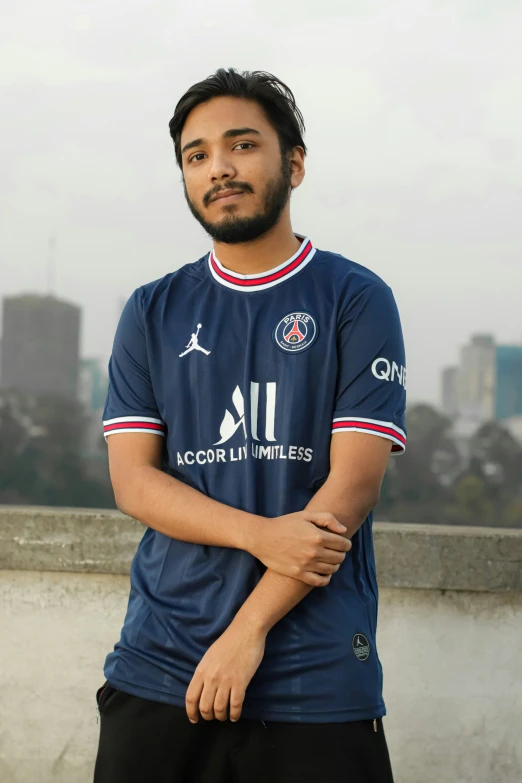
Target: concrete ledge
{"points": [[446, 557], [103, 541]]}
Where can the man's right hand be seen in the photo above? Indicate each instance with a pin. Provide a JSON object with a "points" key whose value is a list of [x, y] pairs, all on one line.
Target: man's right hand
{"points": [[307, 545]]}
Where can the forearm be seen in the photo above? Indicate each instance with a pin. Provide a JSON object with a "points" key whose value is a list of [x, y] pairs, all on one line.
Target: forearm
{"points": [[179, 511], [275, 595], [349, 502]]}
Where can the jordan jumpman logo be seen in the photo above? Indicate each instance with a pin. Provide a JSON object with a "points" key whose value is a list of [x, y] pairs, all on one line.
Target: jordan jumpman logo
{"points": [[193, 345]]}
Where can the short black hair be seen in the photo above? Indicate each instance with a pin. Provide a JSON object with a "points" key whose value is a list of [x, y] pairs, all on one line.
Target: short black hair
{"points": [[271, 93]]}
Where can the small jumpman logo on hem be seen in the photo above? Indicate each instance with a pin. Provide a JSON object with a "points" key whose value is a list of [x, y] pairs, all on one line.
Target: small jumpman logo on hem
{"points": [[193, 345]]}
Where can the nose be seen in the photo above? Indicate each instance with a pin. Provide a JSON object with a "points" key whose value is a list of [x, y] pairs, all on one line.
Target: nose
{"points": [[221, 168]]}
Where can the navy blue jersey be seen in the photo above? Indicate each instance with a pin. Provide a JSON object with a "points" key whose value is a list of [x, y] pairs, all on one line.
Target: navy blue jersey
{"points": [[246, 377]]}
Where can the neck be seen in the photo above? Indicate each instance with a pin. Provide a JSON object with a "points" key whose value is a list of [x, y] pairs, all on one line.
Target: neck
{"points": [[262, 254]]}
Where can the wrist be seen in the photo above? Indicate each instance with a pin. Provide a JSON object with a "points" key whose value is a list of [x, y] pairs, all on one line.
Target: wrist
{"points": [[249, 624], [250, 533]]}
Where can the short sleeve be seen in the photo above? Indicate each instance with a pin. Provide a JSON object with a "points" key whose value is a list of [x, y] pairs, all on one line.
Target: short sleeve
{"points": [[130, 404], [371, 383]]}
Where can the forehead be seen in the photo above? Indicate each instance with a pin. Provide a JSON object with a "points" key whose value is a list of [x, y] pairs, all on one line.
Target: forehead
{"points": [[211, 119]]}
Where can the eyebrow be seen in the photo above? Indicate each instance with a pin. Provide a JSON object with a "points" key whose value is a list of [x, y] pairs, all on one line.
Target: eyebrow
{"points": [[229, 134]]}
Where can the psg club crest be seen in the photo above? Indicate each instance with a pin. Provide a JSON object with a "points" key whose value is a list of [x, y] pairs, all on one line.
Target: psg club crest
{"points": [[295, 332]]}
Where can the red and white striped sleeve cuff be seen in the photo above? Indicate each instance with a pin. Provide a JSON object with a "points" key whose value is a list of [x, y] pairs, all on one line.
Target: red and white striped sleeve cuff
{"points": [[133, 424], [383, 429]]}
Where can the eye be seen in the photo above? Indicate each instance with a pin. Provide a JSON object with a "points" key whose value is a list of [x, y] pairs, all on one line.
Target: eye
{"points": [[197, 157]]}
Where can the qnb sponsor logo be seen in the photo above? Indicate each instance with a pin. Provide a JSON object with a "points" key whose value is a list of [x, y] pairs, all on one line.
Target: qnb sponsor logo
{"points": [[232, 422], [389, 371]]}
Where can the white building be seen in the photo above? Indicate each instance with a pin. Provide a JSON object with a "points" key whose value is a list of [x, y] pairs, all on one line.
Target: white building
{"points": [[450, 391], [476, 379]]}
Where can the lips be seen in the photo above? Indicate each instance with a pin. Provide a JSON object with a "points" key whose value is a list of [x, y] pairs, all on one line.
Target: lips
{"points": [[225, 193]]}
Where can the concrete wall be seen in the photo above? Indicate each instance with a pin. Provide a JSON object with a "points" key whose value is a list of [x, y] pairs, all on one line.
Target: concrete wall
{"points": [[450, 640]]}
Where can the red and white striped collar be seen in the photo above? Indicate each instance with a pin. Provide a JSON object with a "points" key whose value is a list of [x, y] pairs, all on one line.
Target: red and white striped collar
{"points": [[266, 279]]}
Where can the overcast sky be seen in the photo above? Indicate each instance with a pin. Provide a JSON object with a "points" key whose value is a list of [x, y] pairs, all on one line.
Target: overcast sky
{"points": [[414, 129]]}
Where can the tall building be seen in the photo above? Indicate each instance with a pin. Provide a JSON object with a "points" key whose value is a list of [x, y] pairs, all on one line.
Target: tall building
{"points": [[476, 378], [92, 384], [450, 391], [508, 401], [40, 345]]}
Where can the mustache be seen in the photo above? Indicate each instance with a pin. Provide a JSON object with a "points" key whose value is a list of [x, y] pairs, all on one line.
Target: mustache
{"points": [[229, 186]]}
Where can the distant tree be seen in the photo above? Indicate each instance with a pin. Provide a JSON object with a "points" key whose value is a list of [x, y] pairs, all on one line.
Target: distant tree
{"points": [[430, 483], [12, 440], [416, 484], [471, 505], [513, 514], [497, 457], [41, 460]]}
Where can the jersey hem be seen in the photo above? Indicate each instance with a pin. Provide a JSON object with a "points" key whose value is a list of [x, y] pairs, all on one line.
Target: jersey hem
{"points": [[261, 712]]}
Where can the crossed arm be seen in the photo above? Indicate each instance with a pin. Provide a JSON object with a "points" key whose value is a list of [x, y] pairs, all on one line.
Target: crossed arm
{"points": [[301, 551]]}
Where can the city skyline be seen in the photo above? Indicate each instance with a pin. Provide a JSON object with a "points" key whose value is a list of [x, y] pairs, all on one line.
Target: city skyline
{"points": [[99, 345], [445, 397], [485, 385]]}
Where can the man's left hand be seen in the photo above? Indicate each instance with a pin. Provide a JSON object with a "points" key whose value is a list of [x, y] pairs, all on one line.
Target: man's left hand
{"points": [[222, 677]]}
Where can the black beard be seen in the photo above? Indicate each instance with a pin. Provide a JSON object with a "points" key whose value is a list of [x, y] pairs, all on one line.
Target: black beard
{"points": [[232, 230]]}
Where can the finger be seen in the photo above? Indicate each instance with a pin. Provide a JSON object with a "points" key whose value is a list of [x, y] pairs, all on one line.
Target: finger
{"points": [[325, 568], [192, 698], [221, 702], [206, 702], [314, 579], [339, 543], [326, 520], [237, 697], [331, 556]]}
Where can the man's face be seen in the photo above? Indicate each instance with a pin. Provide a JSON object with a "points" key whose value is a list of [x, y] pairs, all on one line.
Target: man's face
{"points": [[233, 147]]}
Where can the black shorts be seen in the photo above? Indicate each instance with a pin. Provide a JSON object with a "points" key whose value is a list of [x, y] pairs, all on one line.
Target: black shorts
{"points": [[143, 741]]}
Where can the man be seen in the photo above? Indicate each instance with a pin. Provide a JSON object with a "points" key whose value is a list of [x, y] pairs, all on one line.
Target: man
{"points": [[248, 650]]}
